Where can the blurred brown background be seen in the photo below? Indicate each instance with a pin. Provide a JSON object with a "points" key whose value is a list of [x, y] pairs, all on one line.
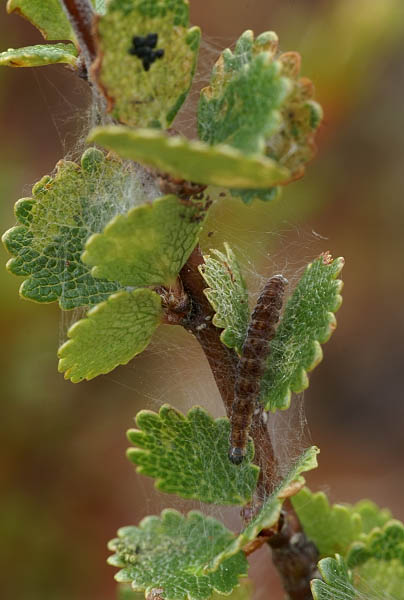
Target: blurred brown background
{"points": [[66, 484]]}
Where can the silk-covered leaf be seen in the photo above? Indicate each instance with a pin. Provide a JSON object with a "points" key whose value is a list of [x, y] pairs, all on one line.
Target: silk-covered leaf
{"points": [[112, 334], [240, 107], [386, 543], [228, 296], [169, 553], [56, 222], [308, 321], [336, 583], [146, 90], [271, 509], [49, 17], [149, 245], [380, 579], [243, 591], [219, 165], [188, 456], [39, 56], [332, 528]]}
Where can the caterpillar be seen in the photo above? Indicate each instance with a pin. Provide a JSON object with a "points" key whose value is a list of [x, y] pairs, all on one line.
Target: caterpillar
{"points": [[252, 362]]}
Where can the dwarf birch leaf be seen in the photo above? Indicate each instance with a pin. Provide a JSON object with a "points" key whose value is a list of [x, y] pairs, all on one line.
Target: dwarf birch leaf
{"points": [[56, 222], [271, 509], [219, 165], [308, 320], [147, 246], [243, 592], [249, 195], [331, 528], [112, 334], [380, 579], [49, 17], [337, 581], [386, 543], [39, 56], [228, 296], [240, 106], [169, 553], [372, 516], [188, 456], [146, 93]]}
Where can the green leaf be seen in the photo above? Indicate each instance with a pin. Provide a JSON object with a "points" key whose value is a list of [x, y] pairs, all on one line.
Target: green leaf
{"points": [[170, 552], [111, 335], [308, 321], [331, 528], [149, 245], [228, 296], [240, 106], [271, 509], [385, 543], [136, 96], [375, 579], [243, 592], [380, 579], [372, 516], [249, 195], [49, 17], [39, 56], [195, 161], [337, 581], [189, 456], [56, 222]]}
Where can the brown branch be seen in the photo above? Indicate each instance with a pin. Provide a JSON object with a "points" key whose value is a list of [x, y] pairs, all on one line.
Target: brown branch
{"points": [[294, 556], [81, 16], [222, 360]]}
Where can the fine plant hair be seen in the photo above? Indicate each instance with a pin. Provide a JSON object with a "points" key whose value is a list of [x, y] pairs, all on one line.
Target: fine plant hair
{"points": [[114, 234]]}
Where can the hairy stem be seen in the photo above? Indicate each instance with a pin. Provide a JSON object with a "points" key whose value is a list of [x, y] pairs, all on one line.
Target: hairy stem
{"points": [[81, 16]]}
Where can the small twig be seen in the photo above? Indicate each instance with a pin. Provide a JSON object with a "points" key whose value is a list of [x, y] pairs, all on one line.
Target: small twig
{"points": [[81, 16], [294, 556]]}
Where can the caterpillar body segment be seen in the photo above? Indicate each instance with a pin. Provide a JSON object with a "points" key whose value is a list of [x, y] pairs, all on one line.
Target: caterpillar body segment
{"points": [[252, 363]]}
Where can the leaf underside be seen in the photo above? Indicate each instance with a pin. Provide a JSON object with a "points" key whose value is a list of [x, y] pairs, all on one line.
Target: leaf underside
{"points": [[56, 222], [271, 509], [308, 321], [188, 455], [228, 296], [40, 55], [49, 17], [138, 96], [219, 165], [149, 245], [169, 553], [112, 334]]}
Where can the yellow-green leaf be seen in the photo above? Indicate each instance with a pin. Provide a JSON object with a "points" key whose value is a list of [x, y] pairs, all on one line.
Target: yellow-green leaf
{"points": [[147, 246], [39, 56], [136, 96], [112, 334], [219, 165]]}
